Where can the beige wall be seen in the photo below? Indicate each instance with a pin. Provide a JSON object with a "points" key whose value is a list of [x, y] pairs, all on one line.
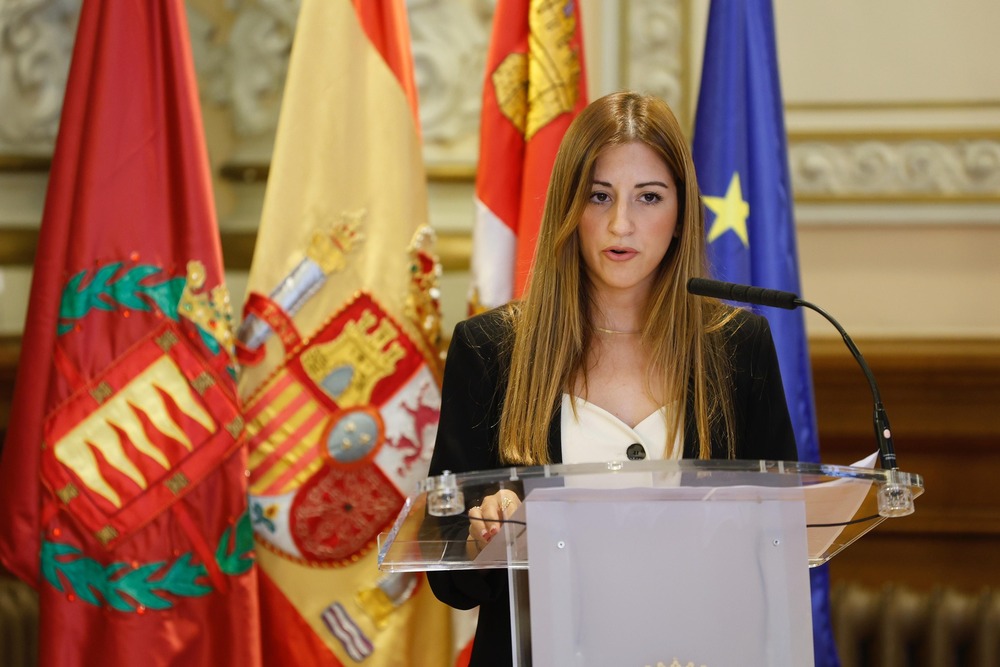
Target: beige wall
{"points": [[893, 111], [918, 255]]}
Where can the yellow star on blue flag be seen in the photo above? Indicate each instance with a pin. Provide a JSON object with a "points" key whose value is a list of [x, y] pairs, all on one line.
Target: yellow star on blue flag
{"points": [[731, 212]]}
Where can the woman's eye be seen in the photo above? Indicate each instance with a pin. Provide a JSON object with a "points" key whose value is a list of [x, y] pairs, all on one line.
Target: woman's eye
{"points": [[650, 197], [599, 197]]}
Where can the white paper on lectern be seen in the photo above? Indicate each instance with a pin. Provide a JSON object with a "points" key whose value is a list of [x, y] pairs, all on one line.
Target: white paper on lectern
{"points": [[834, 502]]}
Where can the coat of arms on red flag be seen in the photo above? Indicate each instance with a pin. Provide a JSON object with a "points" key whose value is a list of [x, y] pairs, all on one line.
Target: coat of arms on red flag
{"points": [[131, 440]]}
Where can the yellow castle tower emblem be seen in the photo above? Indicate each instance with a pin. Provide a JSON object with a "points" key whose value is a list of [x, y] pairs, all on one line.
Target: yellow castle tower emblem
{"points": [[348, 367], [534, 88]]}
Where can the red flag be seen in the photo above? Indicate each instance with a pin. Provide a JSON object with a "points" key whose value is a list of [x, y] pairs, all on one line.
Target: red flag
{"points": [[341, 334], [535, 85], [122, 480]]}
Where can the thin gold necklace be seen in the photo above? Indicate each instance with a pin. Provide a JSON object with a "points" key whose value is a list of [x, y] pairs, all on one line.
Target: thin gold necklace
{"points": [[613, 331]]}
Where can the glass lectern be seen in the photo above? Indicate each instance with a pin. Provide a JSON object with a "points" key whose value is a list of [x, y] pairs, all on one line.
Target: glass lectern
{"points": [[648, 562]]}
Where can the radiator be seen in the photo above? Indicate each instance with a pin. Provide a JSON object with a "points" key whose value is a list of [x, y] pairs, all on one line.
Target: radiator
{"points": [[899, 627], [18, 624]]}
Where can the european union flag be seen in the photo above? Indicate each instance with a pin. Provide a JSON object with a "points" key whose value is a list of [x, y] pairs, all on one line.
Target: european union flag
{"points": [[742, 162]]}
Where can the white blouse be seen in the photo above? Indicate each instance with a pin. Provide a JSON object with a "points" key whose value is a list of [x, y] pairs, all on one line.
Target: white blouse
{"points": [[595, 435]]}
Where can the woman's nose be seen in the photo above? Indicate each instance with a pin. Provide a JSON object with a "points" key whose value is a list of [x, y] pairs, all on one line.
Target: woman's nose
{"points": [[620, 222]]}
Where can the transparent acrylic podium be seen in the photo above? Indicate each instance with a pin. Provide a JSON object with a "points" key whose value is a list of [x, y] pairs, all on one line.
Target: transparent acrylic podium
{"points": [[648, 562]]}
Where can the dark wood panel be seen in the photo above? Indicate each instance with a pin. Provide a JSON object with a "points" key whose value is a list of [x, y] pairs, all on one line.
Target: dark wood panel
{"points": [[941, 388], [922, 562], [943, 401]]}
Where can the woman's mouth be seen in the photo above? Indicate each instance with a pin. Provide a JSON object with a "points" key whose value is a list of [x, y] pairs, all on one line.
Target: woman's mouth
{"points": [[619, 254]]}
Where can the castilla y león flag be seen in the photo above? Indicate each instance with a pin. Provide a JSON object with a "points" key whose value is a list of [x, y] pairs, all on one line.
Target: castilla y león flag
{"points": [[535, 85], [339, 341], [123, 487]]}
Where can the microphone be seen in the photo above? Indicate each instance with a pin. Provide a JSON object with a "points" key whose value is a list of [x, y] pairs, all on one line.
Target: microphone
{"points": [[742, 293], [789, 300], [894, 499]]}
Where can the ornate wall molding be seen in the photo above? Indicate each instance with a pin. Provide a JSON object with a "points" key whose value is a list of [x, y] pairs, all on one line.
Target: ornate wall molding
{"points": [[242, 66], [450, 39], [654, 50], [884, 168], [36, 42]]}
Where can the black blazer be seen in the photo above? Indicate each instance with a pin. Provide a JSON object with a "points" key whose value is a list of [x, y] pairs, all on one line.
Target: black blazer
{"points": [[475, 383]]}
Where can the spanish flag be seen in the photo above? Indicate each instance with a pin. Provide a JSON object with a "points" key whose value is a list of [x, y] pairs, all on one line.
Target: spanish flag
{"points": [[535, 85], [340, 345]]}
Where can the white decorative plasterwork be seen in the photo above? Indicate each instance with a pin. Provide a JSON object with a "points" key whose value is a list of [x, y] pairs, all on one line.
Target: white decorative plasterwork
{"points": [[886, 168], [654, 50], [450, 40], [244, 70], [36, 42], [243, 66]]}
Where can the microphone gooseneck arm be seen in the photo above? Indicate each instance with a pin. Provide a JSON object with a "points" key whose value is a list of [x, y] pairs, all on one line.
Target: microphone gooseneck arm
{"points": [[883, 434], [789, 301]]}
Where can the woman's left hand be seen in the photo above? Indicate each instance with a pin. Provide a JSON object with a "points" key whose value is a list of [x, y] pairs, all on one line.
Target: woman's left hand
{"points": [[486, 519]]}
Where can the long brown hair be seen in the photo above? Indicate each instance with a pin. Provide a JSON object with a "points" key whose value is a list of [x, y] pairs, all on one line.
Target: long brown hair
{"points": [[552, 327]]}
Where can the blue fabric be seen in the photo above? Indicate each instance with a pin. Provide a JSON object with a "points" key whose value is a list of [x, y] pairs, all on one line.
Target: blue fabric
{"points": [[740, 150]]}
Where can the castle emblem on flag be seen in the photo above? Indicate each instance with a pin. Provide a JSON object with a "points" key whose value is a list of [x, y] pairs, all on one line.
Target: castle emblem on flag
{"points": [[532, 89]]}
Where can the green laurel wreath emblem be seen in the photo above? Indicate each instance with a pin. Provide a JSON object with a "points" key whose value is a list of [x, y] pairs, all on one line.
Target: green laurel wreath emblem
{"points": [[127, 588], [130, 290]]}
